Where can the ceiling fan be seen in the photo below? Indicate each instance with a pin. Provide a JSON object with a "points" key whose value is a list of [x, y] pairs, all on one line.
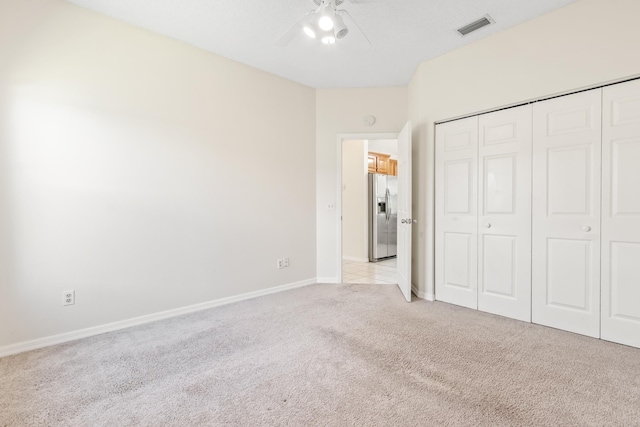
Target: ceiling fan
{"points": [[324, 23]]}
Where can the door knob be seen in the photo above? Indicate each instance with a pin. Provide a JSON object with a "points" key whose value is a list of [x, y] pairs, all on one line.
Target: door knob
{"points": [[487, 225], [402, 220], [586, 228]]}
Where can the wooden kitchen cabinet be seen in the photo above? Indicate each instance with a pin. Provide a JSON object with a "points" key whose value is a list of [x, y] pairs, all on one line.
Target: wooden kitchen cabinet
{"points": [[372, 163], [393, 167], [378, 163]]}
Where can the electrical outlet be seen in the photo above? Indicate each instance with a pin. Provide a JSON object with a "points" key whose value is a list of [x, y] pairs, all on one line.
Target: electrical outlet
{"points": [[69, 297], [282, 263]]}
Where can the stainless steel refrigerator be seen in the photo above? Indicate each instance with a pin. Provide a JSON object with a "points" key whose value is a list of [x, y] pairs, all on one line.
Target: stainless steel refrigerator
{"points": [[383, 216]]}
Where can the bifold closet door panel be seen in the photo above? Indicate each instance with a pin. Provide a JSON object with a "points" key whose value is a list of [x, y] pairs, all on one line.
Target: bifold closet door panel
{"points": [[456, 212], [621, 214], [566, 212], [504, 213]]}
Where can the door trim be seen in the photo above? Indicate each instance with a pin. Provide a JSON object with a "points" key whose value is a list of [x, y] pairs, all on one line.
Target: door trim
{"points": [[545, 98]]}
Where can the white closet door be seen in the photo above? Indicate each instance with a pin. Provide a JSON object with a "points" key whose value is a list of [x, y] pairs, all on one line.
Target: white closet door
{"points": [[504, 213], [621, 214], [566, 213], [456, 212]]}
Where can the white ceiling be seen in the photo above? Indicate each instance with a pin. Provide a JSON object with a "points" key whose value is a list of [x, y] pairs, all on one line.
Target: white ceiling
{"points": [[403, 33]]}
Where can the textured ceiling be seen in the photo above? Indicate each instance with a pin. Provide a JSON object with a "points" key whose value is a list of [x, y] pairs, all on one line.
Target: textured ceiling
{"points": [[403, 33]]}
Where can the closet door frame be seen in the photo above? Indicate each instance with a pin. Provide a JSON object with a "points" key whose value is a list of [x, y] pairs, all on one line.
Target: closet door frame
{"points": [[608, 234]]}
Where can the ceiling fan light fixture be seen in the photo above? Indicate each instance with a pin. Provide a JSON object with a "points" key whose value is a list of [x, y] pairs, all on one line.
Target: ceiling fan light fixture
{"points": [[327, 17], [340, 29], [325, 23], [308, 30], [328, 38]]}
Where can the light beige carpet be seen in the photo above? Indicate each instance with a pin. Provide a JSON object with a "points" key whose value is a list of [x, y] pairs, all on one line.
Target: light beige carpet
{"points": [[326, 355]]}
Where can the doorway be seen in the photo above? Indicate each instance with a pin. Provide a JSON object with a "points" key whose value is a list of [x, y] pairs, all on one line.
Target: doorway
{"points": [[377, 155]]}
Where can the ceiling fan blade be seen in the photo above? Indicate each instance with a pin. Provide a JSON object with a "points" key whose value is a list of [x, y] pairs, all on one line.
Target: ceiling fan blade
{"points": [[294, 31], [355, 24]]}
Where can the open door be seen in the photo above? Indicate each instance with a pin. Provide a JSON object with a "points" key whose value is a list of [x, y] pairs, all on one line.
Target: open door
{"points": [[404, 211]]}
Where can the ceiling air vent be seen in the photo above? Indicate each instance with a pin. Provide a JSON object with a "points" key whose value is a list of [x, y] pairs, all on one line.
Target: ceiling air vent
{"points": [[475, 25]]}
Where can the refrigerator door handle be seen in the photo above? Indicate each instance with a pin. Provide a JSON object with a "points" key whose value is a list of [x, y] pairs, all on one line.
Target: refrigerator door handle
{"points": [[387, 199]]}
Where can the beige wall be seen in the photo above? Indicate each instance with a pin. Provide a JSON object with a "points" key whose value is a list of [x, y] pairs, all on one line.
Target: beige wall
{"points": [[354, 200], [584, 44], [143, 173], [341, 111]]}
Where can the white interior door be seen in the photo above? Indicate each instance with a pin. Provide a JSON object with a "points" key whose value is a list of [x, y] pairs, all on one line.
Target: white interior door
{"points": [[404, 211], [504, 213], [566, 213], [456, 212], [621, 214]]}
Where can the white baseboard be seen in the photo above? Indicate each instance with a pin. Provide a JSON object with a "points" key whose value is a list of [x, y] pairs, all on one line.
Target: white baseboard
{"points": [[355, 259], [424, 295], [415, 291], [329, 280], [123, 324]]}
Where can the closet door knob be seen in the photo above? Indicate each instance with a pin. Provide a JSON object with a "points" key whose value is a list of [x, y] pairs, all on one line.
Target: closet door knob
{"points": [[487, 225], [586, 228]]}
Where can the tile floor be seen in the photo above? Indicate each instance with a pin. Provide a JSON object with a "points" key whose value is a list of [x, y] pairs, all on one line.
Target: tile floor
{"points": [[383, 272]]}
